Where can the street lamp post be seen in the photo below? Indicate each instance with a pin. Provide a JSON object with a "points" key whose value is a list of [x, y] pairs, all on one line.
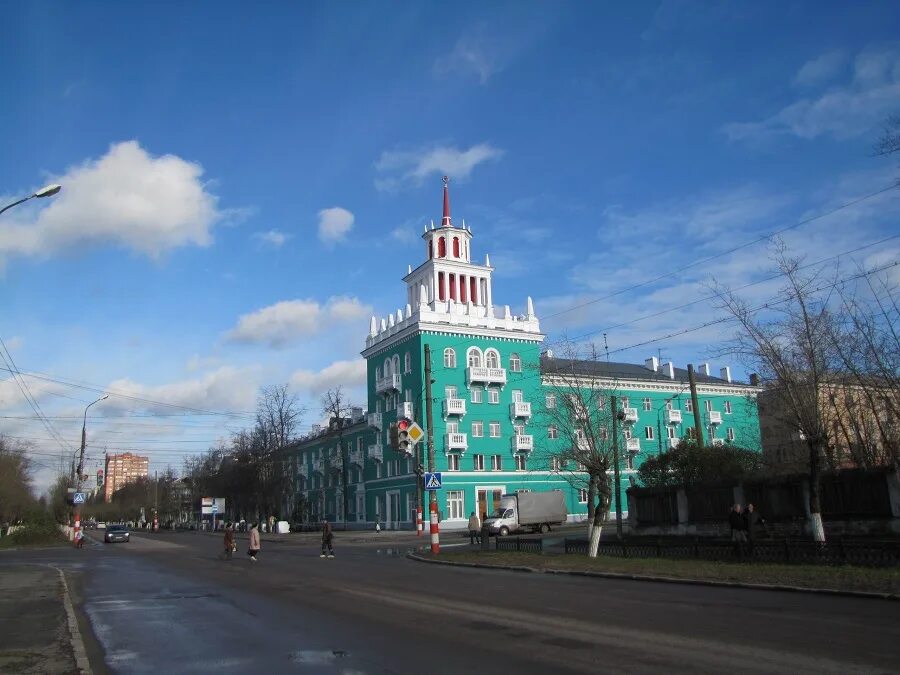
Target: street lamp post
{"points": [[81, 459], [47, 191]]}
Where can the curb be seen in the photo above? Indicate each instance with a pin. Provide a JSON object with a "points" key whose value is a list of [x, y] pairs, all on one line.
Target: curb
{"points": [[81, 659], [869, 595]]}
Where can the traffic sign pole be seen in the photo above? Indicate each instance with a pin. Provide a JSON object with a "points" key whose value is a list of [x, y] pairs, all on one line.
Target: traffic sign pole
{"points": [[429, 424]]}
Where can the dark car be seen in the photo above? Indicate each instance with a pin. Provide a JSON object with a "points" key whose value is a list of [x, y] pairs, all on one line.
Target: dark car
{"points": [[116, 533]]}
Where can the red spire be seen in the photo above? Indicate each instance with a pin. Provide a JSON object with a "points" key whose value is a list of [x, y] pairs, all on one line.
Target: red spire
{"points": [[445, 222]]}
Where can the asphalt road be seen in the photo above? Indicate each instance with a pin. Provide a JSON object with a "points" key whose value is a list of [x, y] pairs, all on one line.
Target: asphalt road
{"points": [[166, 603]]}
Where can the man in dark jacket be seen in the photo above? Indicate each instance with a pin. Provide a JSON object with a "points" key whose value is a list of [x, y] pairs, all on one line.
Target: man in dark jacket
{"points": [[327, 539], [738, 531], [752, 519]]}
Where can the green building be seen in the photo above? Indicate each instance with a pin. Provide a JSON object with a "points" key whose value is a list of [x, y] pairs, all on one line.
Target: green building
{"points": [[491, 382]]}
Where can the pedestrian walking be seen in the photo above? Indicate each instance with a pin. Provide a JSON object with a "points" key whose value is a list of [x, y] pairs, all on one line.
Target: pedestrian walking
{"points": [[474, 529], [327, 539], [738, 531], [79, 539], [253, 550], [752, 520], [230, 546]]}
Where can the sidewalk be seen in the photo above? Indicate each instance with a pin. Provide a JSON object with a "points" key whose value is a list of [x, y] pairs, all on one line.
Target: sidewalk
{"points": [[35, 612]]}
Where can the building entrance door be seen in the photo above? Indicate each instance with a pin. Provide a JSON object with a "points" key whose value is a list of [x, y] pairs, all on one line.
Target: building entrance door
{"points": [[488, 501], [393, 511]]}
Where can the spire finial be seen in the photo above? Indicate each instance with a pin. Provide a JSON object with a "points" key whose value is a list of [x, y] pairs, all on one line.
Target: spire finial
{"points": [[445, 222]]}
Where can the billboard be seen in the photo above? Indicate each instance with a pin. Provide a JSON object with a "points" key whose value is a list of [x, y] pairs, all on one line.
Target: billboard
{"points": [[212, 505]]}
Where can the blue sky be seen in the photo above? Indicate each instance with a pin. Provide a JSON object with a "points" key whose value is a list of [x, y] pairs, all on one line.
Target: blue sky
{"points": [[245, 184]]}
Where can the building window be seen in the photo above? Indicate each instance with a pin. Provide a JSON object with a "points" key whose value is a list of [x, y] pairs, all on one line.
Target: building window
{"points": [[452, 462], [629, 461], [494, 428], [452, 427], [455, 506], [396, 364], [550, 400], [493, 395], [730, 434], [648, 433], [582, 496], [496, 462], [692, 433], [579, 435], [473, 357], [518, 396], [625, 401], [668, 404], [478, 462], [449, 391], [442, 248], [519, 429], [670, 431], [554, 464], [515, 363], [708, 405], [727, 407], [552, 432], [601, 403], [477, 429], [449, 358], [689, 406], [520, 463], [627, 433], [377, 372], [647, 404], [407, 363], [476, 394], [492, 358], [455, 247]]}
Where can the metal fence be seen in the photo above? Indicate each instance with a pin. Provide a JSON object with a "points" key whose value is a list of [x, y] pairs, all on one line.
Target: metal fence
{"points": [[837, 552], [520, 544]]}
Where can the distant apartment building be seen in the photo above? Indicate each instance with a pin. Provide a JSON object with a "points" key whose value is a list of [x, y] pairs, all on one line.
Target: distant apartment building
{"points": [[122, 469]]}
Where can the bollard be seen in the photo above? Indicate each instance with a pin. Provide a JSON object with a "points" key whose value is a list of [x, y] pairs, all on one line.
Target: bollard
{"points": [[485, 538]]}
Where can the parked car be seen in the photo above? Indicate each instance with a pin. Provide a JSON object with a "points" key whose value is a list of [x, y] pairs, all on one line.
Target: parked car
{"points": [[116, 533]]}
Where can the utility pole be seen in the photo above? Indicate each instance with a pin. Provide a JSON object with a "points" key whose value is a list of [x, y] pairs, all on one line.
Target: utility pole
{"points": [[618, 486], [698, 426], [659, 433], [429, 424]]}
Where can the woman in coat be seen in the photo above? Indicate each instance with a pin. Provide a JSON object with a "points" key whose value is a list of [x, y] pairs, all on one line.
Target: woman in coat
{"points": [[253, 551], [229, 540]]}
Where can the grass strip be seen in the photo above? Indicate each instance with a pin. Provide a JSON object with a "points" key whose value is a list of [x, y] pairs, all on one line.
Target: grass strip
{"points": [[839, 578]]}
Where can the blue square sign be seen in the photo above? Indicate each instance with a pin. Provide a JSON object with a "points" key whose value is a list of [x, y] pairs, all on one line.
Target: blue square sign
{"points": [[433, 481]]}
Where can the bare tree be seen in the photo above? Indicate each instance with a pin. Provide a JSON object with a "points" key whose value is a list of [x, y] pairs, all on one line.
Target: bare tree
{"points": [[15, 480], [338, 410], [787, 343], [577, 411], [889, 142]]}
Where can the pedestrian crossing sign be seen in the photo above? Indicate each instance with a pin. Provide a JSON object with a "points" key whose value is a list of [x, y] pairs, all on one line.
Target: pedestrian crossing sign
{"points": [[78, 498], [433, 481]]}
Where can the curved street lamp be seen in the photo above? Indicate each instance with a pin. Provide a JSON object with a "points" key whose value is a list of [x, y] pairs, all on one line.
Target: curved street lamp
{"points": [[84, 435], [46, 191]]}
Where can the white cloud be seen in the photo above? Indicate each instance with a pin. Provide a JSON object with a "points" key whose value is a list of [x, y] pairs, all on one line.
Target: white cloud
{"points": [[844, 111], [334, 224], [399, 167], [127, 198], [348, 374], [821, 69], [226, 388], [474, 53], [272, 238], [14, 343], [287, 322]]}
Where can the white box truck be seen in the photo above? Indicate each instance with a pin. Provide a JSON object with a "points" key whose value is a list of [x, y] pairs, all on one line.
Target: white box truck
{"points": [[537, 511]]}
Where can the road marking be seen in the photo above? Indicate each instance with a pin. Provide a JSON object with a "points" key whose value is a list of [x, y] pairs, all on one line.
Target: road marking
{"points": [[81, 659]]}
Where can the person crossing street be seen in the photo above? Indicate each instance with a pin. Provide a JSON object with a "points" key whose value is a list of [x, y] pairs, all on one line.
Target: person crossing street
{"points": [[327, 539]]}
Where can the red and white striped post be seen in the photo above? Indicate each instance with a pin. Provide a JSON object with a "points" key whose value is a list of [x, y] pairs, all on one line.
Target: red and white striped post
{"points": [[420, 524], [435, 528]]}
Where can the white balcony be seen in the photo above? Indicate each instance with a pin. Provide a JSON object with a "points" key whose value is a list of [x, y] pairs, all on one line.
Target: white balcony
{"points": [[718, 441], [405, 409], [318, 466], [388, 383], [630, 415], [673, 417], [673, 443], [633, 444], [454, 406], [334, 463], [375, 421], [715, 417], [376, 453], [486, 375], [356, 457], [520, 409], [522, 443], [456, 442]]}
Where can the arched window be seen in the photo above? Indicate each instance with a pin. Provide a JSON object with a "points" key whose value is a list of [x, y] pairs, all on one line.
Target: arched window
{"points": [[455, 247], [449, 358], [377, 372], [515, 363], [473, 357], [442, 247], [492, 358], [407, 363], [396, 365], [387, 367]]}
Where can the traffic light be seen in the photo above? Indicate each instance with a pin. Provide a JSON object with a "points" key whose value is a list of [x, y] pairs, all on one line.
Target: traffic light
{"points": [[393, 437], [420, 470], [403, 442]]}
